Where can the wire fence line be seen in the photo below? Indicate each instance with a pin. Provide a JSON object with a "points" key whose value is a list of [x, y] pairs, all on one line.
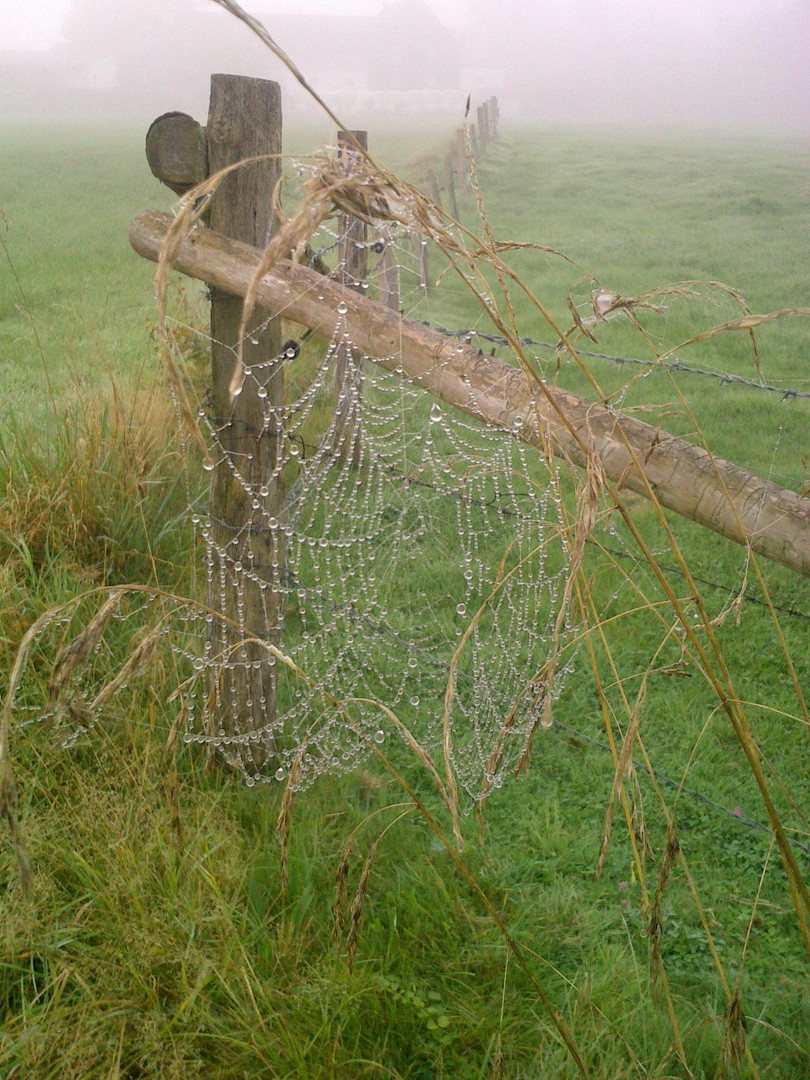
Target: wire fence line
{"points": [[786, 393], [576, 736], [309, 448], [792, 612], [642, 769]]}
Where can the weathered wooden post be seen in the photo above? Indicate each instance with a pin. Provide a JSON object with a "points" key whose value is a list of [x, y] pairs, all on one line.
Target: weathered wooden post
{"points": [[388, 282], [435, 190], [353, 256], [482, 127], [244, 120], [421, 246], [451, 189], [246, 552], [474, 142], [494, 117]]}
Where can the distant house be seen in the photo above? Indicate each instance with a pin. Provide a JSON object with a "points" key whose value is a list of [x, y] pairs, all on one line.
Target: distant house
{"points": [[402, 55], [403, 47], [159, 54]]}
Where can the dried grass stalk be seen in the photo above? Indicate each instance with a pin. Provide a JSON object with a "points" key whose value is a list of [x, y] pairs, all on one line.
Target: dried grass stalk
{"points": [[341, 890], [356, 912], [285, 818], [9, 810], [624, 768], [588, 510], [73, 656], [735, 1029], [655, 930], [140, 657], [448, 793]]}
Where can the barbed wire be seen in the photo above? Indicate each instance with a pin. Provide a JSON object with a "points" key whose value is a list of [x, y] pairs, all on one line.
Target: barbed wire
{"points": [[677, 366], [641, 769], [735, 813], [793, 612], [309, 448]]}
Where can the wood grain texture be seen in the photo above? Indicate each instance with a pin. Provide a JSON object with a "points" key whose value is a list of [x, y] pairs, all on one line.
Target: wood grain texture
{"points": [[177, 151], [244, 121]]}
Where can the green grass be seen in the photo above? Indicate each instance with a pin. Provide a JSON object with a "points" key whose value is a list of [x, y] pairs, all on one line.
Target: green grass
{"points": [[135, 961]]}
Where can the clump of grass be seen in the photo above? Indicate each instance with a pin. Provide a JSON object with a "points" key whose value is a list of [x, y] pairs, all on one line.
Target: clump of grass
{"points": [[151, 962], [102, 491]]}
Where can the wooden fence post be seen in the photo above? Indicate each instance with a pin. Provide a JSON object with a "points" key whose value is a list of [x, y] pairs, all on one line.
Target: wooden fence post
{"points": [[482, 127], [389, 279], [247, 556], [435, 190], [451, 190], [421, 247], [353, 256], [244, 120]]}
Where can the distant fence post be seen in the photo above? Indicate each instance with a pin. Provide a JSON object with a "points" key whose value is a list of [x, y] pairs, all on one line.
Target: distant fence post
{"points": [[421, 246], [353, 256], [474, 143], [483, 130], [494, 116], [389, 279], [451, 190], [435, 190], [247, 555]]}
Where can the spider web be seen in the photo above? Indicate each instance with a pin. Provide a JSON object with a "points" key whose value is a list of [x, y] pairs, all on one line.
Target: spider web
{"points": [[422, 523], [415, 547]]}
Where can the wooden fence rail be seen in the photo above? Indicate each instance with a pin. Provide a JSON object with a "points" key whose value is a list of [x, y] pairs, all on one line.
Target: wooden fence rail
{"points": [[684, 478]]}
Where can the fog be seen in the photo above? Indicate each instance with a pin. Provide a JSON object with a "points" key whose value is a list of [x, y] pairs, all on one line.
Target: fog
{"points": [[719, 63]]}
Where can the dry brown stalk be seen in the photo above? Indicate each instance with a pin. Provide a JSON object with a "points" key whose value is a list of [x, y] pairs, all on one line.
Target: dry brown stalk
{"points": [[356, 912], [654, 929], [747, 322], [735, 1029], [341, 889], [9, 810], [285, 818], [449, 793], [587, 510], [140, 657], [173, 783], [624, 769], [341, 877], [73, 656]]}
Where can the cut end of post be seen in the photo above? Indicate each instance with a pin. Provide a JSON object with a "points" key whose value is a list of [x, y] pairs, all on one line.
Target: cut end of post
{"points": [[177, 151]]}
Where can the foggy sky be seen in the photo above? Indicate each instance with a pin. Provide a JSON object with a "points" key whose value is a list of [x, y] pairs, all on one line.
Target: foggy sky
{"points": [[693, 62]]}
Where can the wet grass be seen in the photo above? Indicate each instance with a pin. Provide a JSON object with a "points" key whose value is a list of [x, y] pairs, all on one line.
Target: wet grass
{"points": [[158, 943]]}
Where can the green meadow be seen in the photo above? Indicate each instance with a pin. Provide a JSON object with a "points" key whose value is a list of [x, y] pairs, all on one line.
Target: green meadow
{"points": [[157, 941]]}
